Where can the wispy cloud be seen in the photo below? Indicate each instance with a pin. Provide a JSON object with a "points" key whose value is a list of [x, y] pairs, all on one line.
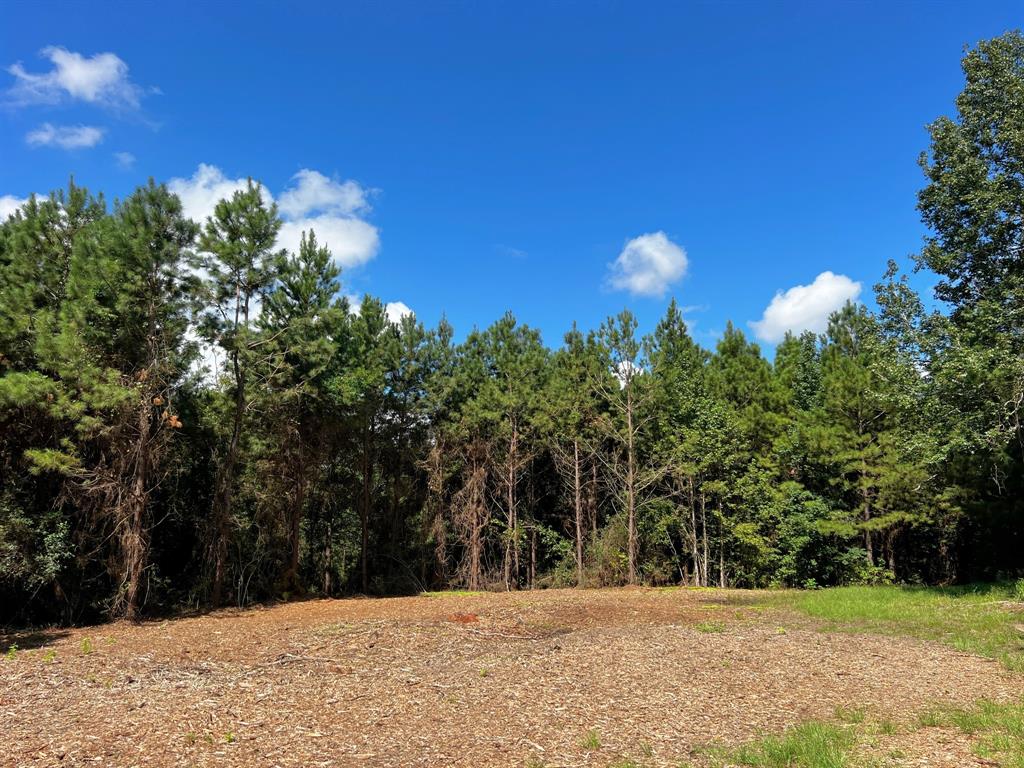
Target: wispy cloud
{"points": [[647, 265], [125, 160], [805, 307], [101, 79], [65, 136], [510, 252]]}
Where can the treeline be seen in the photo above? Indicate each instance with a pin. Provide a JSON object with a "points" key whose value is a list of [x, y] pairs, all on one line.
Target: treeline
{"points": [[190, 417]]}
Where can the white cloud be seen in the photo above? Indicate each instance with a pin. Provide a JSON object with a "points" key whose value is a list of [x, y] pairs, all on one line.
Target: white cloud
{"points": [[8, 205], [125, 160], [626, 370], [207, 186], [100, 79], [314, 202], [65, 136], [805, 307], [351, 241], [396, 310], [312, 191], [648, 265]]}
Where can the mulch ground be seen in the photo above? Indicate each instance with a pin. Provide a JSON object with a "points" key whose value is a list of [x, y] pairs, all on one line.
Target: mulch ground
{"points": [[465, 680]]}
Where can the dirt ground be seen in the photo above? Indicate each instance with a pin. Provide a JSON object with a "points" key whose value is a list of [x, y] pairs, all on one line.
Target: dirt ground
{"points": [[554, 678]]}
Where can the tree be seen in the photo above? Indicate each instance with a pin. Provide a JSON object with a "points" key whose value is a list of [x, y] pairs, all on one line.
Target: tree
{"points": [[36, 553], [113, 355], [237, 253], [304, 325], [516, 361], [626, 385], [862, 435], [972, 205], [682, 402], [374, 351], [571, 410]]}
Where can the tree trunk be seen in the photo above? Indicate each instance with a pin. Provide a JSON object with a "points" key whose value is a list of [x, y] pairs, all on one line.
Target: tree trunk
{"points": [[869, 548], [592, 500], [578, 505], [721, 564], [298, 502], [134, 544], [328, 555], [533, 556], [866, 507], [704, 536], [631, 490], [694, 552], [364, 511], [226, 475], [512, 545], [477, 511]]}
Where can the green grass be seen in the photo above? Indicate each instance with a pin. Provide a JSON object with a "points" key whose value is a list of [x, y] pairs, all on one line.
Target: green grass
{"points": [[997, 730], [591, 740], [710, 627], [809, 745], [975, 619], [452, 593], [855, 715]]}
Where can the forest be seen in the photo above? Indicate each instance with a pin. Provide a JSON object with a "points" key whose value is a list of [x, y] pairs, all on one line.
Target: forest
{"points": [[191, 417]]}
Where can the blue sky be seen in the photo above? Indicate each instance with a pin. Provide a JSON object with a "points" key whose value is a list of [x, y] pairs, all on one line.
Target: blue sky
{"points": [[562, 160]]}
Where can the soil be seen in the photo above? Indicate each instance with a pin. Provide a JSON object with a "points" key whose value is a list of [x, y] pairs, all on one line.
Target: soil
{"points": [[553, 678]]}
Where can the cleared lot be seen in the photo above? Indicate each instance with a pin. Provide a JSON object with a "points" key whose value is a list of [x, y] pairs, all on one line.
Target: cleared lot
{"points": [[550, 678]]}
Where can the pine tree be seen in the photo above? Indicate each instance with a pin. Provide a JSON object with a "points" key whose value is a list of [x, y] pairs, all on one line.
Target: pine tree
{"points": [[304, 326], [238, 256], [115, 353]]}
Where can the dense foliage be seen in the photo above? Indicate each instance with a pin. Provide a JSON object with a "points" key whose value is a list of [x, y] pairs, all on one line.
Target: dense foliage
{"points": [[189, 417]]}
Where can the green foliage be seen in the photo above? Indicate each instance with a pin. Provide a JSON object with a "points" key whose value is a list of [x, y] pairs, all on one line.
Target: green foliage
{"points": [[970, 618], [808, 745], [1018, 590]]}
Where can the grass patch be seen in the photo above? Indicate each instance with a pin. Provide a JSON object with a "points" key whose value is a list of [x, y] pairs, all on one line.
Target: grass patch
{"points": [[591, 740], [853, 715], [809, 745], [452, 593], [710, 627], [976, 619], [997, 729]]}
